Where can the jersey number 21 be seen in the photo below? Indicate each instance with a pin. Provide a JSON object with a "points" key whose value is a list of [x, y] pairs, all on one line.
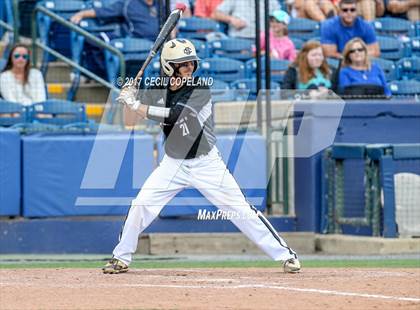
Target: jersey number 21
{"points": [[185, 130]]}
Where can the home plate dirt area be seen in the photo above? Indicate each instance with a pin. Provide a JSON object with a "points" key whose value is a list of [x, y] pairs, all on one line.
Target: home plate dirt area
{"points": [[218, 288]]}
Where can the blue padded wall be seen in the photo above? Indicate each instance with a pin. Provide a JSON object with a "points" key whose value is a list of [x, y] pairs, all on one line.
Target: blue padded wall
{"points": [[245, 156], [362, 122], [101, 174], [9, 172]]}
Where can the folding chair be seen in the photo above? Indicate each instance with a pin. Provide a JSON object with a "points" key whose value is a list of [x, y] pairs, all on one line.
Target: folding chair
{"points": [[197, 28], [298, 43], [12, 113], [223, 69], [303, 28], [278, 68], [391, 26], [58, 112], [246, 89], [240, 49], [409, 88], [135, 53], [389, 68], [391, 48], [409, 68]]}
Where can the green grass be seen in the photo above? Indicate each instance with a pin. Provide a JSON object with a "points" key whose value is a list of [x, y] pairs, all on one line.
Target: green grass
{"points": [[390, 263]]}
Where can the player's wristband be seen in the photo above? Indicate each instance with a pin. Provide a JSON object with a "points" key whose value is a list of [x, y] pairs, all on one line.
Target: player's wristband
{"points": [[158, 112]]}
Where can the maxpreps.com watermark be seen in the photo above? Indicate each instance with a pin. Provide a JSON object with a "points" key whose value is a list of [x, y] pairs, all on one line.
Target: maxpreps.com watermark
{"points": [[206, 215]]}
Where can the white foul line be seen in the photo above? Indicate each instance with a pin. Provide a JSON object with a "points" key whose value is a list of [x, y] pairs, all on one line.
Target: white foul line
{"points": [[285, 288]]}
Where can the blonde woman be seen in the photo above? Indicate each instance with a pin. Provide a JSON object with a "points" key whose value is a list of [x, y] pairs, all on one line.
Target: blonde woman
{"points": [[357, 70]]}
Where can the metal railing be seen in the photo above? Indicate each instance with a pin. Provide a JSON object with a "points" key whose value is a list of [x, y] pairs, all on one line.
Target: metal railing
{"points": [[87, 35], [11, 13], [335, 183], [278, 169], [6, 26]]}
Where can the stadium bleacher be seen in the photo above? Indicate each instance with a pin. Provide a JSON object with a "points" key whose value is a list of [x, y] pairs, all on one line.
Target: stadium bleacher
{"points": [[278, 68], [240, 49], [246, 89], [397, 38], [389, 68], [12, 113], [135, 52], [409, 68], [405, 88]]}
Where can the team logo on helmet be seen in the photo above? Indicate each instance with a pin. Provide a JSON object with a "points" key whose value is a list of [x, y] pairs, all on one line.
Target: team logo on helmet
{"points": [[172, 44], [187, 51]]}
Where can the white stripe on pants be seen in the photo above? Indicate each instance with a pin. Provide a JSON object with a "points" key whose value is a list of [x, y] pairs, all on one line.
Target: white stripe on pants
{"points": [[210, 176]]}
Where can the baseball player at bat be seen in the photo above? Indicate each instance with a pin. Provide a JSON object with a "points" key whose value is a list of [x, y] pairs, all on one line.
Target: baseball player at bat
{"points": [[183, 106]]}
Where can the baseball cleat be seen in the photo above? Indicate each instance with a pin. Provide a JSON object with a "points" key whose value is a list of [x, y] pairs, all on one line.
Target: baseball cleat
{"points": [[291, 265], [115, 266]]}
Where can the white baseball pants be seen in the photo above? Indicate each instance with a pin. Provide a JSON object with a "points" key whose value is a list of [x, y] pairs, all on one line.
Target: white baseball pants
{"points": [[210, 176]]}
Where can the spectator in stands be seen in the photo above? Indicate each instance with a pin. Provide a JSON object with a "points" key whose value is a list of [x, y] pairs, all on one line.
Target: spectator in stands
{"points": [[310, 71], [358, 76], [240, 16], [319, 10], [179, 3], [19, 82], [281, 47], [206, 8], [141, 17], [404, 8], [295, 8], [141, 20], [370, 9], [337, 31]]}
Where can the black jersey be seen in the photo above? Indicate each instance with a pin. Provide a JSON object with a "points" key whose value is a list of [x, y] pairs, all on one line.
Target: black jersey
{"points": [[189, 128]]}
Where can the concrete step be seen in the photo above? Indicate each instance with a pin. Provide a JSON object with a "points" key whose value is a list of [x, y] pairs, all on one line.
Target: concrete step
{"points": [[58, 72], [87, 93], [216, 243], [301, 242], [361, 245]]}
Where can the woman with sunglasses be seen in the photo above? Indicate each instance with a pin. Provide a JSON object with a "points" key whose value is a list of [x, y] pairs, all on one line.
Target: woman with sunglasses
{"points": [[19, 82], [358, 73]]}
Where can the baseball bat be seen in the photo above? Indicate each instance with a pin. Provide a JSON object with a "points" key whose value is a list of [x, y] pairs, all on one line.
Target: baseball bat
{"points": [[160, 40]]}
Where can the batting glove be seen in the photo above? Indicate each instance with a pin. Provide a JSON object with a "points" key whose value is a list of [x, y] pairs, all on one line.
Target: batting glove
{"points": [[128, 97]]}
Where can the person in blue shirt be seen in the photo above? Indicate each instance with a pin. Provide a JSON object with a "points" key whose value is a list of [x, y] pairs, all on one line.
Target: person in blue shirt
{"points": [[357, 70], [141, 17], [337, 31]]}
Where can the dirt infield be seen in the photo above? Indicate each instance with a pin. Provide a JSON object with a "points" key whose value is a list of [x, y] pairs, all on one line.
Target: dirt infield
{"points": [[218, 288]]}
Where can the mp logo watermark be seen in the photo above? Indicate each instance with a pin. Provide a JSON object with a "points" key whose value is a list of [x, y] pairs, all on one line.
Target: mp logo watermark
{"points": [[307, 125]]}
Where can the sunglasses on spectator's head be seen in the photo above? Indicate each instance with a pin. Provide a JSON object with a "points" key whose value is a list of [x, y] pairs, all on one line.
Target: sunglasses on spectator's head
{"points": [[360, 49], [352, 10], [24, 56]]}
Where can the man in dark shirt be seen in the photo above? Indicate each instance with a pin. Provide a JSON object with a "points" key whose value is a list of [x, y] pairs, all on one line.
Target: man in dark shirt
{"points": [[140, 16], [183, 106], [140, 19]]}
